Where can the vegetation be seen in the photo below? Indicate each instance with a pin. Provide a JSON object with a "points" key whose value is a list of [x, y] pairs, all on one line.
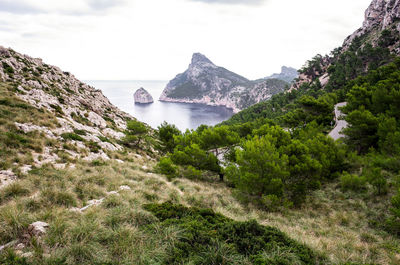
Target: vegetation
{"points": [[210, 238], [135, 133], [15, 145], [266, 187]]}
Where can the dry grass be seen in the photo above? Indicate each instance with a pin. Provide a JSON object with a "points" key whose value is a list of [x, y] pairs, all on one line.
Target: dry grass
{"points": [[333, 223]]}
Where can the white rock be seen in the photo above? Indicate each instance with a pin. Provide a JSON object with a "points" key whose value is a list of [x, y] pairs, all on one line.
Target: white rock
{"points": [[38, 228], [141, 96], [109, 146], [94, 156], [114, 134], [59, 166], [7, 177], [27, 255], [124, 187], [25, 169], [97, 120], [20, 246]]}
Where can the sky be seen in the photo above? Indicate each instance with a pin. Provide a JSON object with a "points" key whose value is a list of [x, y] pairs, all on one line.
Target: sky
{"points": [[155, 39]]}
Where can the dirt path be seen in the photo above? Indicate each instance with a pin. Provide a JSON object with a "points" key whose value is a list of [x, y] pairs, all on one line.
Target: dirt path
{"points": [[336, 133]]}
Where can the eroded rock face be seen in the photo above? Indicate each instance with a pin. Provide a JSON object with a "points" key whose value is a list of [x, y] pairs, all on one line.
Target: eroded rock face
{"points": [[287, 74], [380, 15], [78, 109], [141, 96], [204, 82]]}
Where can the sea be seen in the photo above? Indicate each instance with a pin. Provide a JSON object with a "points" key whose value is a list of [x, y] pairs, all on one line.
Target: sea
{"points": [[183, 115]]}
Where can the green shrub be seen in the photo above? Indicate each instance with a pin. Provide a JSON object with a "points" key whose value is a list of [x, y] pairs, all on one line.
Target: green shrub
{"points": [[166, 167], [61, 198], [393, 222], [191, 173], [7, 68], [72, 136], [93, 146], [13, 190], [104, 139], [57, 108], [376, 179], [352, 182], [80, 132], [10, 258], [134, 133], [204, 231]]}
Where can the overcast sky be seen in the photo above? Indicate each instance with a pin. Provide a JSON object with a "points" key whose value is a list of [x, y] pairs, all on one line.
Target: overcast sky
{"points": [[155, 39]]}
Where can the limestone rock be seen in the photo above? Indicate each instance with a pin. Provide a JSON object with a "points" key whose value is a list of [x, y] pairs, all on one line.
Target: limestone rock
{"points": [[287, 74], [204, 82], [142, 96], [380, 15], [6, 177], [38, 228]]}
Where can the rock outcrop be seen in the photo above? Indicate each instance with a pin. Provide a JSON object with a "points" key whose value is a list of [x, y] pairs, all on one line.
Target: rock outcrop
{"points": [[287, 74], [204, 82], [380, 15], [381, 27], [75, 106], [141, 96]]}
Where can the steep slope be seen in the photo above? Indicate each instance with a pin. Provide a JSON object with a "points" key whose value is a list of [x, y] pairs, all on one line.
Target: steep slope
{"points": [[380, 32], [287, 74], [71, 193], [204, 82], [380, 15], [67, 111]]}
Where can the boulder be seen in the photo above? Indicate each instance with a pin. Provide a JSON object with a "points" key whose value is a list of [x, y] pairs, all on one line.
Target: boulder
{"points": [[38, 228], [142, 96]]}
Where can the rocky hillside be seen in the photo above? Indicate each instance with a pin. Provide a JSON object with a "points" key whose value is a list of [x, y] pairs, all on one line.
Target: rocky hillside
{"points": [[380, 32], [79, 119], [73, 191], [380, 15], [204, 82], [287, 74]]}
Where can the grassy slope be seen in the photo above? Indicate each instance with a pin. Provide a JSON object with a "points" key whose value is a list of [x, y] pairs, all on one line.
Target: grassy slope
{"points": [[333, 223]]}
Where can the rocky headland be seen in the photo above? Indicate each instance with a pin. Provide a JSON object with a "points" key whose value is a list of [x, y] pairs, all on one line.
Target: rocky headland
{"points": [[205, 83]]}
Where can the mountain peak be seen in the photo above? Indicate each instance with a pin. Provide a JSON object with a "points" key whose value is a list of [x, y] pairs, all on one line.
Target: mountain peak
{"points": [[287, 74], [199, 58]]}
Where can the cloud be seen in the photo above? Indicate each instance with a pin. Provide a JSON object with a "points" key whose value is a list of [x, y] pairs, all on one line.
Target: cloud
{"points": [[18, 7], [103, 4], [64, 7], [232, 2]]}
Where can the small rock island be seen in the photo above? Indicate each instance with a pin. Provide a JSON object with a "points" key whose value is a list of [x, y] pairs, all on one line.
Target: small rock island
{"points": [[142, 96]]}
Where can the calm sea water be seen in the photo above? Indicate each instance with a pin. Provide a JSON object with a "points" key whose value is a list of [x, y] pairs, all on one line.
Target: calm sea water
{"points": [[184, 116]]}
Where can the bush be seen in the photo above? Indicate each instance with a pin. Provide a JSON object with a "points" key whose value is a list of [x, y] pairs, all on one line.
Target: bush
{"points": [[93, 146], [376, 179], [7, 68], [204, 231], [191, 173], [393, 222], [352, 182], [134, 133], [72, 136], [13, 190], [166, 167]]}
